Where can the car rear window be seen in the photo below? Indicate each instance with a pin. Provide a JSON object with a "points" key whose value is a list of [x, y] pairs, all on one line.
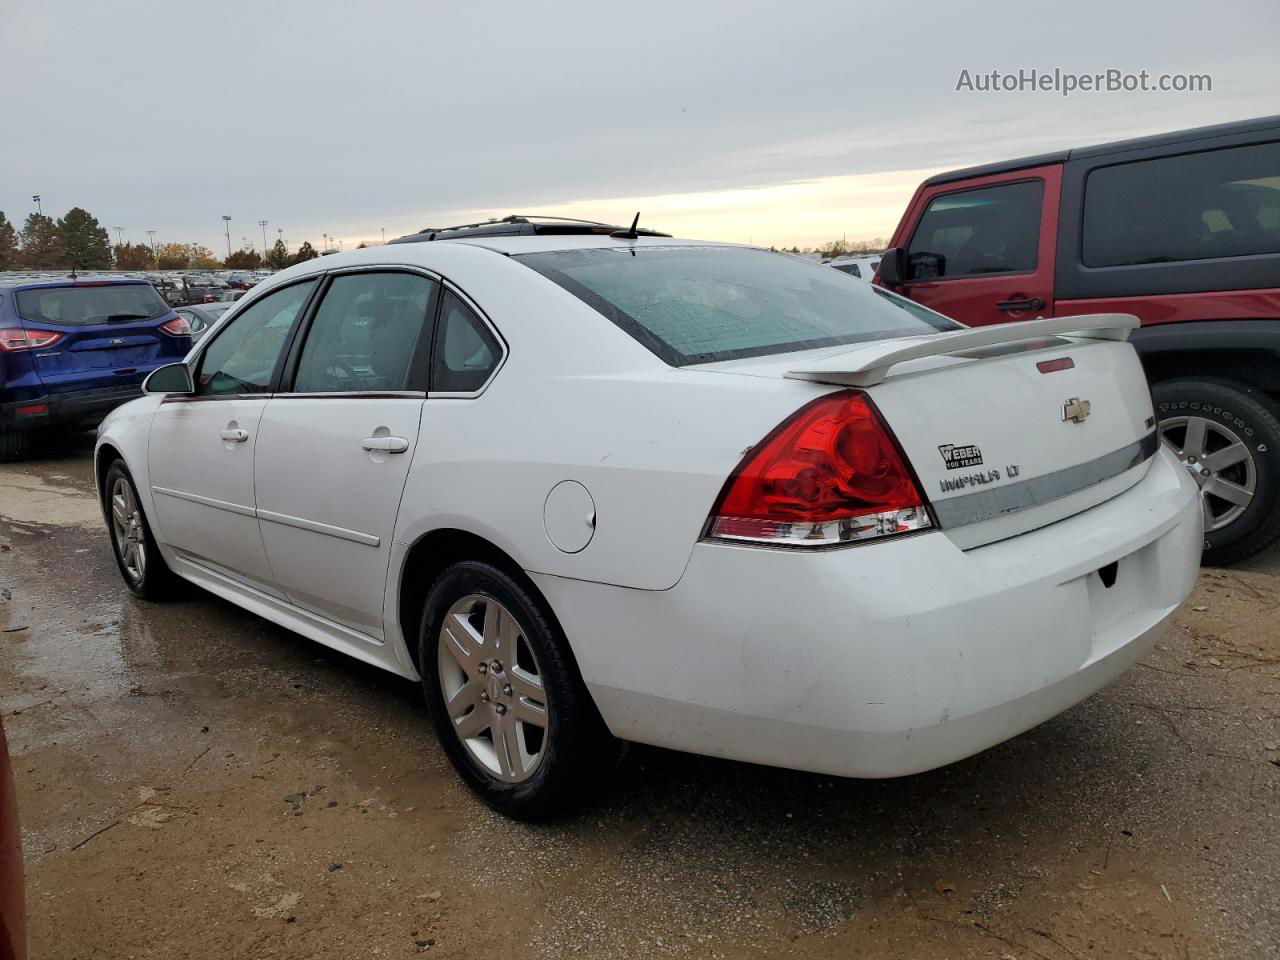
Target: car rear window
{"points": [[703, 304], [79, 305]]}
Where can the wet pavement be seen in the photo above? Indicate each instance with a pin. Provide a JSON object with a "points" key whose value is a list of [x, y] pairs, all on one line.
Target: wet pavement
{"points": [[195, 782]]}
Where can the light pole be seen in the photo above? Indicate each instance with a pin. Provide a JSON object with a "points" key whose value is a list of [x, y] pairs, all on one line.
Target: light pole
{"points": [[384, 235], [35, 198], [119, 236], [152, 235], [227, 220], [280, 234], [263, 225], [324, 247]]}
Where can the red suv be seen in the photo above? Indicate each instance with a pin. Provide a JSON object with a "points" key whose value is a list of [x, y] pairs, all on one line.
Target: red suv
{"points": [[1181, 229]]}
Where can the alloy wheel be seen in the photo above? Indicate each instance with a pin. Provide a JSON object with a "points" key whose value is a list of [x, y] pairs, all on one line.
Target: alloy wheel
{"points": [[1221, 463], [128, 529], [492, 687]]}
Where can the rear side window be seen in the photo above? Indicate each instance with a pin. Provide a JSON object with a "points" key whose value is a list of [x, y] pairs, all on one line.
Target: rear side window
{"points": [[466, 351], [365, 334], [970, 233], [243, 356], [850, 268], [83, 305], [1199, 206], [703, 304]]}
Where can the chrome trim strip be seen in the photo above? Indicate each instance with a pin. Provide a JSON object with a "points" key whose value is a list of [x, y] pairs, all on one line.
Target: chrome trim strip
{"points": [[313, 526], [986, 504], [206, 501]]}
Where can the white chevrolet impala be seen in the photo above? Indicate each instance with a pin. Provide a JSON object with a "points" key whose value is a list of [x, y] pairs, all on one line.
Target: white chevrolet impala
{"points": [[593, 486]]}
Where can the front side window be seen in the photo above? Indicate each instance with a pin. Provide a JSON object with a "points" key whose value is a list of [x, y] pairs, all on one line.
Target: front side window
{"points": [[243, 356], [971, 233], [1198, 206], [365, 334], [703, 304], [466, 351]]}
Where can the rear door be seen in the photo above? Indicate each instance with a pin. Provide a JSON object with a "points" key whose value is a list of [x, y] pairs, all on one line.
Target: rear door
{"points": [[110, 334], [982, 250], [334, 447], [201, 450]]}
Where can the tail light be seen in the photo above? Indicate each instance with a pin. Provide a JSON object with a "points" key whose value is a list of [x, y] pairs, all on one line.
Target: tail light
{"points": [[831, 473], [177, 327], [13, 339]]}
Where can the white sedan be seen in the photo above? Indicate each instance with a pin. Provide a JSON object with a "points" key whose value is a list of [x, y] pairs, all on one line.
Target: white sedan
{"points": [[590, 487]]}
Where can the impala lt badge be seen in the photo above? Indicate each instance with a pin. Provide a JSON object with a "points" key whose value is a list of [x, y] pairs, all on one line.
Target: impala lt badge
{"points": [[1075, 410]]}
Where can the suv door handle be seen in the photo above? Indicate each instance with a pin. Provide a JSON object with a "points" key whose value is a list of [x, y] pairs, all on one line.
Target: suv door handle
{"points": [[1033, 303], [386, 444], [235, 435]]}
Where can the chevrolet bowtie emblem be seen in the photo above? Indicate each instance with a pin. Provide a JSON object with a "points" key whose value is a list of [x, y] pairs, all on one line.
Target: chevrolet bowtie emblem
{"points": [[1075, 410]]}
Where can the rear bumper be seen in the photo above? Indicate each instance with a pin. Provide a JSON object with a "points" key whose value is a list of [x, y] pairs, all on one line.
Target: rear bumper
{"points": [[886, 659], [72, 408]]}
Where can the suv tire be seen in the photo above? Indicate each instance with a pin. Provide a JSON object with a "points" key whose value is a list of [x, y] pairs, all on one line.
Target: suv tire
{"points": [[14, 444], [1201, 418]]}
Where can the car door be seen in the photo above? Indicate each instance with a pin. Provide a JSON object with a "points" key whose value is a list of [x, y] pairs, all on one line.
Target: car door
{"points": [[334, 449], [983, 251], [201, 448]]}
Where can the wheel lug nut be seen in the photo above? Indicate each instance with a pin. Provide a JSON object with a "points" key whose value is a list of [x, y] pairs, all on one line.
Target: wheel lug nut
{"points": [[484, 696], [1191, 459], [483, 668], [500, 708], [506, 689], [496, 666], [1204, 471]]}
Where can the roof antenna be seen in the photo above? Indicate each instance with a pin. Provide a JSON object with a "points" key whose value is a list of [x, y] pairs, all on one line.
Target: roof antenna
{"points": [[630, 233]]}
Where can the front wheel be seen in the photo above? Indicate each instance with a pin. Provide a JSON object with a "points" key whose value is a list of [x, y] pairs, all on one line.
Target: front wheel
{"points": [[1227, 435], [508, 704], [141, 566]]}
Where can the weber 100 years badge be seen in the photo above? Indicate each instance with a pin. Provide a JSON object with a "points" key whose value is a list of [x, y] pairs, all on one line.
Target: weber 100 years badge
{"points": [[958, 456]]}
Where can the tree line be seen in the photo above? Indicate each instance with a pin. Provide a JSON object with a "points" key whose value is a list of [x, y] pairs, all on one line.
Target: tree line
{"points": [[78, 242]]}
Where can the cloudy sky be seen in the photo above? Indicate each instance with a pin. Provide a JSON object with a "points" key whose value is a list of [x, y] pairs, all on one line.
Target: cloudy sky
{"points": [[772, 122]]}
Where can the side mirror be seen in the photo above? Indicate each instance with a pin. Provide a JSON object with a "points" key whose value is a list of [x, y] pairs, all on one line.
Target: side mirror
{"points": [[893, 267], [172, 378]]}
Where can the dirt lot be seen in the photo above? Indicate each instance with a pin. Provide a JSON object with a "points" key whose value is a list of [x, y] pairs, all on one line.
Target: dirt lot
{"points": [[194, 782]]}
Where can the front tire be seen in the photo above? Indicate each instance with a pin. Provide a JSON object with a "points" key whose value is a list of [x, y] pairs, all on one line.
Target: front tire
{"points": [[138, 558], [1227, 435], [505, 696]]}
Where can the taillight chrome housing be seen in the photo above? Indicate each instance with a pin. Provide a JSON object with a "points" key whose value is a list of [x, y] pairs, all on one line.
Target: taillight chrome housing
{"points": [[830, 474]]}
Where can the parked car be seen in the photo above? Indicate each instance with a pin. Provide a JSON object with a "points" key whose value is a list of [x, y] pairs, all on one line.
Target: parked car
{"points": [[231, 296], [71, 350], [1182, 230], [597, 485], [863, 266], [200, 317]]}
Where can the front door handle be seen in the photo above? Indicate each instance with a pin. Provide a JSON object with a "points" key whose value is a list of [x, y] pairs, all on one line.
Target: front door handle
{"points": [[235, 435], [386, 444], [1031, 303]]}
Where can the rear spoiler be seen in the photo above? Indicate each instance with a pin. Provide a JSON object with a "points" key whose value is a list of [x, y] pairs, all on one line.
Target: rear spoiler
{"points": [[867, 365]]}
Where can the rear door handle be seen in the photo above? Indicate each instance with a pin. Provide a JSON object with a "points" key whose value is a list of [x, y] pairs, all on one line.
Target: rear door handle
{"points": [[235, 435], [1033, 303], [386, 444]]}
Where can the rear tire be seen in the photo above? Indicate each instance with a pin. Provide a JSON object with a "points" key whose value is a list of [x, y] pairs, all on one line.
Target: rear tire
{"points": [[519, 725], [1227, 434], [138, 558], [14, 444]]}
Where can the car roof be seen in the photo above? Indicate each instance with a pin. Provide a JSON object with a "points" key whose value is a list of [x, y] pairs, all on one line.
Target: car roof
{"points": [[1118, 146], [548, 244], [527, 224], [36, 282]]}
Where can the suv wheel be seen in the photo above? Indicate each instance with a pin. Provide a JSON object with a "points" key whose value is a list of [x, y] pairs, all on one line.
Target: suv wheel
{"points": [[14, 444], [1227, 435], [508, 704]]}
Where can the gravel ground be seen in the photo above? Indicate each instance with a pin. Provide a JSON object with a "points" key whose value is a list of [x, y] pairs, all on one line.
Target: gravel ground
{"points": [[195, 782]]}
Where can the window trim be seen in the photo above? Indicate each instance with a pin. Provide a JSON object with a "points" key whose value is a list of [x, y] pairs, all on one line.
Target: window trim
{"points": [[228, 318], [419, 365], [1035, 265]]}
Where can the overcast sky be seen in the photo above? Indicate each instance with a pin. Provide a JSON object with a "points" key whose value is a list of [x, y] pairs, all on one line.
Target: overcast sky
{"points": [[772, 122]]}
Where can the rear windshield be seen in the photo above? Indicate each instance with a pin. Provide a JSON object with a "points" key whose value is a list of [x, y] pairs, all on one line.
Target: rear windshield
{"points": [[703, 304], [112, 303]]}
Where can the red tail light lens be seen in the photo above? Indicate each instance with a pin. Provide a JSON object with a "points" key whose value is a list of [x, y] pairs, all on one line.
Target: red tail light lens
{"points": [[177, 327], [830, 474], [13, 339]]}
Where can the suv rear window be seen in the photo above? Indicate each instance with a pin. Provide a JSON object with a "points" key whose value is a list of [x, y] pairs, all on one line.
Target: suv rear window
{"points": [[703, 304], [81, 305], [1198, 206]]}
